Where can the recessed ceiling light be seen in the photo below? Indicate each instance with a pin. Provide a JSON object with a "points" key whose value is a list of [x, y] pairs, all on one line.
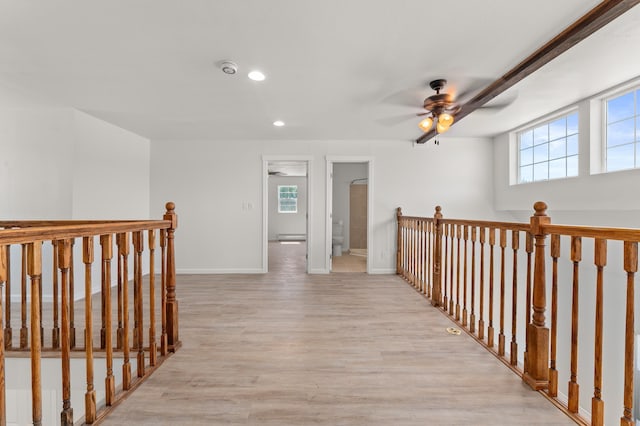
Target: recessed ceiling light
{"points": [[256, 76], [278, 123]]}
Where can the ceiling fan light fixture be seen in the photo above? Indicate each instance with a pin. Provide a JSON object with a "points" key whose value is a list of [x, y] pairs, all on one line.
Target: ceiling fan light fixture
{"points": [[445, 119], [441, 128], [426, 124]]}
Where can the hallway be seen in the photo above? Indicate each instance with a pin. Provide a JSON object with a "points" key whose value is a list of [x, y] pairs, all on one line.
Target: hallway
{"points": [[286, 348]]}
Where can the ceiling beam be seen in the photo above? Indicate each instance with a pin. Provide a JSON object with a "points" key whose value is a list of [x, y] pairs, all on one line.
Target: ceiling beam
{"points": [[592, 21]]}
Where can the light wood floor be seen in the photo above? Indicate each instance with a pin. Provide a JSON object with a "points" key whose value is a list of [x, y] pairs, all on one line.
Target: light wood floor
{"points": [[286, 348]]}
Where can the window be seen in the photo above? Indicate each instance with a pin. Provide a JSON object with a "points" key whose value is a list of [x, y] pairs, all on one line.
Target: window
{"points": [[287, 198], [623, 131], [549, 150]]}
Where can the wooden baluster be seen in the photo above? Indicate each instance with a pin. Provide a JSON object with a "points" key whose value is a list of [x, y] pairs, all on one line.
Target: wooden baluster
{"points": [[173, 339], [515, 245], [153, 346], [631, 267], [472, 320], [430, 257], [425, 256], [163, 291], [107, 253], [412, 252], [120, 329], [64, 262], [24, 333], [553, 373], [457, 310], [103, 300], [123, 252], [90, 395], [138, 244], [421, 238], [445, 235], [3, 280], [399, 241], [503, 245], [537, 374], [32, 253], [465, 318], [574, 388], [597, 404], [72, 292], [481, 320], [436, 292], [492, 243], [8, 332], [452, 235], [55, 333], [529, 250]]}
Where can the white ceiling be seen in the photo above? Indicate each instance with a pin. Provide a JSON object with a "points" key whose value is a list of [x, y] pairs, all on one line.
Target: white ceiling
{"points": [[334, 67]]}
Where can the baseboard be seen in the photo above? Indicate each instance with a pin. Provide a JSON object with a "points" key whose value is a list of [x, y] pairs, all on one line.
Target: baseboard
{"points": [[383, 271], [319, 271], [216, 271]]}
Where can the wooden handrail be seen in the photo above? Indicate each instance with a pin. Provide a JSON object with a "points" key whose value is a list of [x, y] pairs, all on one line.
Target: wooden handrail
{"points": [[442, 249], [57, 334], [65, 231]]}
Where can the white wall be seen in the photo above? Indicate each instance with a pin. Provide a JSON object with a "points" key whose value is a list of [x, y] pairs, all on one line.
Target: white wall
{"points": [[111, 172], [217, 187], [287, 223], [343, 175]]}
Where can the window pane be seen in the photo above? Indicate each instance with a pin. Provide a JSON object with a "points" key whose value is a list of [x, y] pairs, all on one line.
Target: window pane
{"points": [[557, 149], [558, 129], [572, 145], [572, 124], [541, 171], [620, 107], [620, 157], [526, 139], [526, 174], [620, 133], [526, 156], [541, 153], [558, 168], [540, 134], [572, 166]]}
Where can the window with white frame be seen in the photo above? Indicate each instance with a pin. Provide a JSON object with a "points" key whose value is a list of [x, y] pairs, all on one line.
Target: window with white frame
{"points": [[549, 150], [622, 129], [287, 198]]}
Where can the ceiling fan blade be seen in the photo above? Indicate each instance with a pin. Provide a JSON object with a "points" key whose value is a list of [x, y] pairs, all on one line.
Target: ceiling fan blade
{"points": [[409, 97], [395, 120]]}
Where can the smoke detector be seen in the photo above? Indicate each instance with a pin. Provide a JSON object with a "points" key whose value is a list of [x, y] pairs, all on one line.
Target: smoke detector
{"points": [[229, 67]]}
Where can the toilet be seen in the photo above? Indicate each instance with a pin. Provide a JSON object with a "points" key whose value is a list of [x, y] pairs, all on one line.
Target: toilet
{"points": [[337, 238]]}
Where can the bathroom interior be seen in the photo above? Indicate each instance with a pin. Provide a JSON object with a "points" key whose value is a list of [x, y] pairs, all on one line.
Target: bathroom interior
{"points": [[349, 217]]}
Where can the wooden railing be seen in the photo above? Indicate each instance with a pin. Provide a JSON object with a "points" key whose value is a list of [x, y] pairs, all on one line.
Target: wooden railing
{"points": [[493, 277], [38, 269]]}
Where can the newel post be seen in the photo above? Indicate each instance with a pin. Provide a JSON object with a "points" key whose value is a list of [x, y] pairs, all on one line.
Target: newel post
{"points": [[537, 369], [399, 242], [436, 294], [173, 340]]}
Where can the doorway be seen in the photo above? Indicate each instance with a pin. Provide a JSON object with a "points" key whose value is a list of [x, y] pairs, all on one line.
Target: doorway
{"points": [[349, 214], [286, 212]]}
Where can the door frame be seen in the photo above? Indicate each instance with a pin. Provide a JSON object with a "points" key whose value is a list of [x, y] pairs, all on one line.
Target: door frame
{"points": [[266, 159], [330, 161]]}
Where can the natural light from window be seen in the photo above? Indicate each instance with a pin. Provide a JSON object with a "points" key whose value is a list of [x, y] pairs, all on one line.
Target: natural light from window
{"points": [[287, 198], [623, 131], [549, 150]]}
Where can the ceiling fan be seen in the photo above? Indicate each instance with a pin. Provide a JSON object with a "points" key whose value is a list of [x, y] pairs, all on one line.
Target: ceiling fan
{"points": [[441, 109]]}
